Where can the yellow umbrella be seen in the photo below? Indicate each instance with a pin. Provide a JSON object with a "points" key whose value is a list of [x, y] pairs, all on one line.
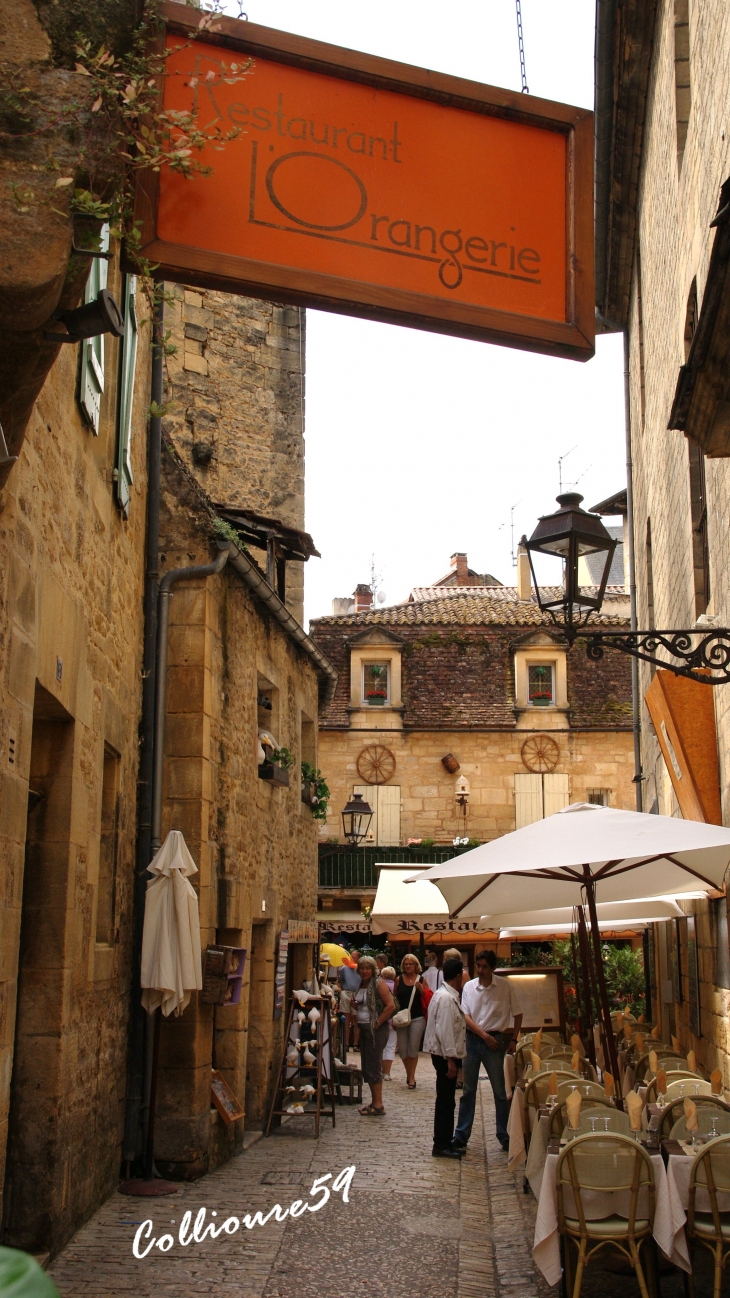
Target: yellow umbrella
{"points": [[337, 954]]}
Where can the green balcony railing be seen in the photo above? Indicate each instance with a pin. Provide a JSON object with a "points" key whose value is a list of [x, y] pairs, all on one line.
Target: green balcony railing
{"points": [[354, 867]]}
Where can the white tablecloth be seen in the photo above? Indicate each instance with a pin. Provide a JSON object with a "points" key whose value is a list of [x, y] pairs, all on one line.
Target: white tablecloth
{"points": [[679, 1169], [510, 1076], [516, 1129], [535, 1166], [669, 1219]]}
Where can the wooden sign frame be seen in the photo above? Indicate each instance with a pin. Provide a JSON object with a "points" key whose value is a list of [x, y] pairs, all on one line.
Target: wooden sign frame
{"points": [[571, 337]]}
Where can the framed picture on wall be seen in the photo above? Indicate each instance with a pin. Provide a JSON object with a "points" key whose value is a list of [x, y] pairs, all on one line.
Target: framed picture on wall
{"points": [[693, 976]]}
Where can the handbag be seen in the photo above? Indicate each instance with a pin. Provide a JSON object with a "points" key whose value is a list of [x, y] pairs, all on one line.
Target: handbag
{"points": [[403, 1017]]}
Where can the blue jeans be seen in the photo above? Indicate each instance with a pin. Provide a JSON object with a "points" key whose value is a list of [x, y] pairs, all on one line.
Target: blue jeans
{"points": [[478, 1052]]}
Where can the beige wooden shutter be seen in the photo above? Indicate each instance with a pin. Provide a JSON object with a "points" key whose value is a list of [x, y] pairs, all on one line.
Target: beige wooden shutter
{"points": [[388, 815], [370, 795], [528, 799], [556, 793]]}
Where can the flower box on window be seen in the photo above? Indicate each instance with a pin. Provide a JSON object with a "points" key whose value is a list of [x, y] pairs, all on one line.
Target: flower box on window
{"points": [[540, 688], [275, 774]]}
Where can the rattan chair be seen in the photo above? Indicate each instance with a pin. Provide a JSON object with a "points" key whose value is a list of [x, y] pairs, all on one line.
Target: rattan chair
{"points": [[596, 1107], [711, 1174], [604, 1164], [679, 1078], [706, 1117], [641, 1066], [536, 1094], [675, 1110]]}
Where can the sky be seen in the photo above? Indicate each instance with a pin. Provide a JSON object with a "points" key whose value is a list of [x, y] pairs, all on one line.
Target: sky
{"points": [[419, 445]]}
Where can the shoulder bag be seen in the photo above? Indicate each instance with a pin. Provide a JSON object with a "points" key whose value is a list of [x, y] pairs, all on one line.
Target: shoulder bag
{"points": [[403, 1017]]}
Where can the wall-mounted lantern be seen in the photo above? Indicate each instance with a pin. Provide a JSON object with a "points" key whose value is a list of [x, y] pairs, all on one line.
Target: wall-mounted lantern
{"points": [[356, 819]]}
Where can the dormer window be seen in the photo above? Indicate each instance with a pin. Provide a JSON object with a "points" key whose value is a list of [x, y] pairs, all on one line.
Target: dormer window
{"points": [[376, 684], [541, 684]]}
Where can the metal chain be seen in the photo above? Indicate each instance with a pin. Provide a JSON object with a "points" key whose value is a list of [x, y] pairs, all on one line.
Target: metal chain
{"points": [[521, 42]]}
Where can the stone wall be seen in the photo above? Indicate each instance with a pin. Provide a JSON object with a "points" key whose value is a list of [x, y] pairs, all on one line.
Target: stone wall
{"points": [[71, 583], [675, 208], [489, 760], [237, 381], [254, 844]]}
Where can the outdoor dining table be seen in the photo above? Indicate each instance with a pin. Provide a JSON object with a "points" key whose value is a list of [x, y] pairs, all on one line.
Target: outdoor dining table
{"points": [[669, 1218], [679, 1170]]}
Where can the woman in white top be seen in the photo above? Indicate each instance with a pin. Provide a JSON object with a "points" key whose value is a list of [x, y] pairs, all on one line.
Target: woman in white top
{"points": [[388, 976]]}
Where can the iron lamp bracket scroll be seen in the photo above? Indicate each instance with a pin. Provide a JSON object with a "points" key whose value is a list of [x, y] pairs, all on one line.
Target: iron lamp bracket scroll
{"points": [[702, 656]]}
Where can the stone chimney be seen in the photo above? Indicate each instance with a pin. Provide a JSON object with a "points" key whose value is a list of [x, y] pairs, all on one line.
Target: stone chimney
{"points": [[460, 569], [363, 598], [524, 578]]}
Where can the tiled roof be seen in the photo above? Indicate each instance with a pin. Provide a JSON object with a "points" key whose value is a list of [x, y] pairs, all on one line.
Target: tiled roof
{"points": [[472, 606]]}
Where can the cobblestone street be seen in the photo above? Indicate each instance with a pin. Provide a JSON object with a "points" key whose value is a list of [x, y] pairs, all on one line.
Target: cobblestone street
{"points": [[415, 1227]]}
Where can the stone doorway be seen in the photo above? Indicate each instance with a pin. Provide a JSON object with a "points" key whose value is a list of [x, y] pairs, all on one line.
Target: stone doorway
{"points": [[36, 1181]]}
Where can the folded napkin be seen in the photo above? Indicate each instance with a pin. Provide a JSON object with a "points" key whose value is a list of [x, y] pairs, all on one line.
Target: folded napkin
{"points": [[536, 1062], [577, 1044], [639, 1043], [716, 1081], [575, 1062], [635, 1108], [655, 1032], [552, 1084], [572, 1106], [628, 1031], [661, 1081], [609, 1085], [537, 1040], [619, 1020], [691, 1061], [690, 1115], [676, 1046], [641, 1019], [627, 1011], [653, 1061]]}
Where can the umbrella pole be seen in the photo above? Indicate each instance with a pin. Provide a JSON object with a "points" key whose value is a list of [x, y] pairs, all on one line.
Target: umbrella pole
{"points": [[586, 969], [605, 1008]]}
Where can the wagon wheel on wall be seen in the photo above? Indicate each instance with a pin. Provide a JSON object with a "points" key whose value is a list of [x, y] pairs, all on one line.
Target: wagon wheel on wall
{"points": [[540, 753], [376, 764]]}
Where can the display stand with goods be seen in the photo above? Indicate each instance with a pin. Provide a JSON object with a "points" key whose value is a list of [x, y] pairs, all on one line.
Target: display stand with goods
{"points": [[305, 1088]]}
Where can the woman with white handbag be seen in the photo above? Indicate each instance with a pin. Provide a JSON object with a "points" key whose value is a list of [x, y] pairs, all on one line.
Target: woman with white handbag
{"points": [[411, 997]]}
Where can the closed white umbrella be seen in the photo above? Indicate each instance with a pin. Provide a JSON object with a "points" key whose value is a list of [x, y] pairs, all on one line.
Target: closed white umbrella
{"points": [[171, 964], [582, 851]]}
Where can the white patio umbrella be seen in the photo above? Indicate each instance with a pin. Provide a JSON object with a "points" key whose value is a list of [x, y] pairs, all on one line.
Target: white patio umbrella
{"points": [[582, 850], [611, 914], [406, 907], [171, 964]]}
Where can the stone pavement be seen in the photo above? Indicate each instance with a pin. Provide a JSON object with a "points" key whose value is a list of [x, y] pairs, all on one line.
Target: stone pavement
{"points": [[414, 1227]]}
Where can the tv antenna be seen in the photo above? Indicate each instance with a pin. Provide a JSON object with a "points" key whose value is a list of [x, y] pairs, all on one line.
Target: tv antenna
{"points": [[562, 457]]}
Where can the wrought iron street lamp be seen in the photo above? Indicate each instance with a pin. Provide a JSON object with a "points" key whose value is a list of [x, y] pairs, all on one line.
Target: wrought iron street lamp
{"points": [[702, 653], [356, 819]]}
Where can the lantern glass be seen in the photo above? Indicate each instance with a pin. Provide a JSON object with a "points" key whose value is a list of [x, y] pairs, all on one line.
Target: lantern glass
{"points": [[569, 534], [356, 818]]}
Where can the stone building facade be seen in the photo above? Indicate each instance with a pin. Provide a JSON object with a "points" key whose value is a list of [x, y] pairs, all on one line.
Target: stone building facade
{"points": [[487, 721], [663, 162], [71, 624]]}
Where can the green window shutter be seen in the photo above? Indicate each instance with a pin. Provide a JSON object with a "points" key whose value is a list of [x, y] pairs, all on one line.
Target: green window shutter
{"points": [[128, 360], [91, 380]]}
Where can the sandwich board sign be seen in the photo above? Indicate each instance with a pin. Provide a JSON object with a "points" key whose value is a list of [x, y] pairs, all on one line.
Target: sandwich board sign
{"points": [[371, 188]]}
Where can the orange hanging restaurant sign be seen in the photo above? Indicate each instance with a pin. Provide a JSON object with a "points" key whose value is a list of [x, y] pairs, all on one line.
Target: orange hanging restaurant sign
{"points": [[375, 189]]}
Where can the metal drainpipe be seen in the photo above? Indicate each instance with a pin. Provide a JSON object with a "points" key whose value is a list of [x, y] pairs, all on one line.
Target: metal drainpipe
{"points": [[163, 618], [635, 698], [135, 1085]]}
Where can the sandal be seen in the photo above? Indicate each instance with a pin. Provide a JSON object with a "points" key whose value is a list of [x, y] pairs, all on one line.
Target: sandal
{"points": [[411, 1086], [370, 1111]]}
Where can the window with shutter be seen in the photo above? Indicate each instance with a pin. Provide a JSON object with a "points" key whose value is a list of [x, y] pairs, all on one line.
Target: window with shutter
{"points": [[555, 793], [385, 801], [528, 799], [91, 378], [127, 363]]}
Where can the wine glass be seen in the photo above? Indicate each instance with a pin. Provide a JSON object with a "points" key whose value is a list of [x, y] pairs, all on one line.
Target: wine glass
{"points": [[681, 1091], [713, 1128], [593, 1122], [606, 1124], [697, 1088]]}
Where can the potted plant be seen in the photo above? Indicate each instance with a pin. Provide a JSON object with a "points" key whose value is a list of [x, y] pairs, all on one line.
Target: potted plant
{"points": [[276, 766], [376, 689], [315, 793]]}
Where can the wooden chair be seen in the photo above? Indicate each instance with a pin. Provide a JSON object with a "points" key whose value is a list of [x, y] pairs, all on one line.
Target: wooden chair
{"points": [[711, 1174], [675, 1110], [604, 1164]]}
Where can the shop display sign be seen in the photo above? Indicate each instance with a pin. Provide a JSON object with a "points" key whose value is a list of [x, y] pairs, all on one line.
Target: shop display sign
{"points": [[376, 189]]}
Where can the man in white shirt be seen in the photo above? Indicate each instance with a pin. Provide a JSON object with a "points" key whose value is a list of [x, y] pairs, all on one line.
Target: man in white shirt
{"points": [[493, 1020], [432, 975], [445, 1041]]}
